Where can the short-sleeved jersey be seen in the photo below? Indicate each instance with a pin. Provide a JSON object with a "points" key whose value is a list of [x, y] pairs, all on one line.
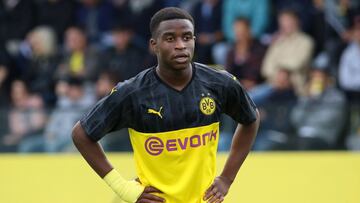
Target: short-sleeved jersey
{"points": [[174, 134]]}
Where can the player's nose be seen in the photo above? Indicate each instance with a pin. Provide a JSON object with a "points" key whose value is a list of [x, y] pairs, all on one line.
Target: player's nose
{"points": [[180, 44]]}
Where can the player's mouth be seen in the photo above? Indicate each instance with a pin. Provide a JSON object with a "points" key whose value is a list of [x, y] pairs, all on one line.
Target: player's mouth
{"points": [[181, 58]]}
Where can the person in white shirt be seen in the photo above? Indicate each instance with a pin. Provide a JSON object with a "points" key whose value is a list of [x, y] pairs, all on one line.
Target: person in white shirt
{"points": [[349, 67]]}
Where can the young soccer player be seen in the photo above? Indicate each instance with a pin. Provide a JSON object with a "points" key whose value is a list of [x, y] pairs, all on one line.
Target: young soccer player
{"points": [[172, 112]]}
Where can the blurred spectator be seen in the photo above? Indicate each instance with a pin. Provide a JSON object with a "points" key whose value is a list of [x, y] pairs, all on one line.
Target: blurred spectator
{"points": [[5, 78], [134, 14], [79, 60], [4, 95], [26, 117], [72, 92], [207, 16], [74, 103], [143, 10], [319, 30], [304, 8], [96, 17], [275, 102], [124, 56], [123, 13], [38, 60], [257, 11], [117, 141], [320, 116], [338, 15], [353, 141], [57, 14], [330, 28], [349, 74], [291, 49], [353, 137], [106, 82], [4, 99], [16, 19], [245, 57], [349, 68]]}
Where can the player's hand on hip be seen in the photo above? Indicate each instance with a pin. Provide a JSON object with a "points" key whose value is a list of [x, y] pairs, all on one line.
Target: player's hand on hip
{"points": [[217, 191], [148, 197]]}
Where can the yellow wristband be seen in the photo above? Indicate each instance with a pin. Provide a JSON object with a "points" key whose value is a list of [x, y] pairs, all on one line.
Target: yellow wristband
{"points": [[128, 191]]}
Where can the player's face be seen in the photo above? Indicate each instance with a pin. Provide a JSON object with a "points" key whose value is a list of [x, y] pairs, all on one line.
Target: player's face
{"points": [[174, 43]]}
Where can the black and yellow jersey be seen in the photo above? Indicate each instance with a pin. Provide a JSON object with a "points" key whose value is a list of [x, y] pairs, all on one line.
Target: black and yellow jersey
{"points": [[174, 133]]}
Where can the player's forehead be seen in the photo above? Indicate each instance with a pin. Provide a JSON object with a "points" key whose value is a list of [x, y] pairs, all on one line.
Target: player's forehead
{"points": [[175, 26]]}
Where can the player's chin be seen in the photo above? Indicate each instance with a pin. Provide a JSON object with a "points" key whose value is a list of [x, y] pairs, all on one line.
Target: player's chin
{"points": [[181, 66]]}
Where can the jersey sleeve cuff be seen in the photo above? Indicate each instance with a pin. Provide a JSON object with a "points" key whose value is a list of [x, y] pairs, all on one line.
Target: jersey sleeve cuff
{"points": [[88, 133]]}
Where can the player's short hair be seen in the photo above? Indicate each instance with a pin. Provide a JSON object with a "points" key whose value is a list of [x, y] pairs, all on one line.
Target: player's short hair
{"points": [[168, 13]]}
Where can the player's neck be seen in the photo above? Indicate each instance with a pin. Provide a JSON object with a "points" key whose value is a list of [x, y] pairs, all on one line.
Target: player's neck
{"points": [[177, 79]]}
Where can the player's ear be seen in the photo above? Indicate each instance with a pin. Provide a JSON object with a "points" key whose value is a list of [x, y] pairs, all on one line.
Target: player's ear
{"points": [[153, 45]]}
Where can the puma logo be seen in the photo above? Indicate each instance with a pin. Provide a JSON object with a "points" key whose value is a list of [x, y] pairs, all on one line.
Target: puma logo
{"points": [[152, 111], [113, 90]]}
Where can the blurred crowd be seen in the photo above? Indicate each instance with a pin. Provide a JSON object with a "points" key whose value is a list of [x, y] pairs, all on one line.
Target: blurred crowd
{"points": [[299, 61]]}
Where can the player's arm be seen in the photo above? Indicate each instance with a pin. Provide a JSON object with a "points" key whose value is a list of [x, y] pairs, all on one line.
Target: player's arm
{"points": [[130, 191], [241, 144], [243, 139], [91, 151]]}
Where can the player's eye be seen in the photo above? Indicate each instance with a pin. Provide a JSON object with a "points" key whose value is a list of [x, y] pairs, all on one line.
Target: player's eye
{"points": [[187, 37], [169, 39]]}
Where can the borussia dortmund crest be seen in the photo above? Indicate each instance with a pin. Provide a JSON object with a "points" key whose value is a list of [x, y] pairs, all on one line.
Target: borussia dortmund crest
{"points": [[207, 105]]}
